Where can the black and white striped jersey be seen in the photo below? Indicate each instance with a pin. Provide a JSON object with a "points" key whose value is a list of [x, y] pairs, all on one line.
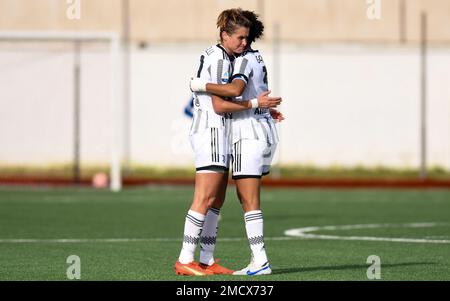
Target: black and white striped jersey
{"points": [[215, 67], [250, 68], [252, 123]]}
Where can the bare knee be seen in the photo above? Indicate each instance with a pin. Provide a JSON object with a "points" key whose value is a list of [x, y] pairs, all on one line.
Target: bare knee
{"points": [[215, 203], [250, 204], [202, 203]]}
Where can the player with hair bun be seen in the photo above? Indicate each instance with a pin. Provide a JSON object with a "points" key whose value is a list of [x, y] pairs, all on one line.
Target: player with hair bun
{"points": [[253, 139], [209, 134]]}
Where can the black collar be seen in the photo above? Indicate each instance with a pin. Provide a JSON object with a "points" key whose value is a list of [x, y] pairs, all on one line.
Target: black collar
{"points": [[249, 51], [230, 57]]}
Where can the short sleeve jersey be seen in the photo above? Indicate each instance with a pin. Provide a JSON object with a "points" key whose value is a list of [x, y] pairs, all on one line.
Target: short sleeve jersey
{"points": [[216, 66], [250, 68]]}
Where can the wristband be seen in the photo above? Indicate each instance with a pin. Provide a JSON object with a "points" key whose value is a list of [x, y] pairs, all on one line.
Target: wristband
{"points": [[198, 85], [254, 102]]}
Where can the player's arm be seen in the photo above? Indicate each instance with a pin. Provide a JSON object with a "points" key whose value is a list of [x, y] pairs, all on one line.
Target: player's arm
{"points": [[222, 106], [233, 89]]}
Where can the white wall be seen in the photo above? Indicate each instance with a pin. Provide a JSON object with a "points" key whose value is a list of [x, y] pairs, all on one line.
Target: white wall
{"points": [[361, 106], [344, 105]]}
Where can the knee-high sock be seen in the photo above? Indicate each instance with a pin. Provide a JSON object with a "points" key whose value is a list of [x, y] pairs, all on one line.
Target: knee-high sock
{"points": [[254, 228], [208, 236], [192, 228]]}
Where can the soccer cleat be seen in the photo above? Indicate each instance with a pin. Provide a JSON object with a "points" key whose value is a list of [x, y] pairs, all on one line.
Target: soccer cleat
{"points": [[191, 269], [253, 270], [216, 268]]}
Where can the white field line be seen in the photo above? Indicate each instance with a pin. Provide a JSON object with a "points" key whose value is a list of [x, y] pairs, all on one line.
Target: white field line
{"points": [[304, 233]]}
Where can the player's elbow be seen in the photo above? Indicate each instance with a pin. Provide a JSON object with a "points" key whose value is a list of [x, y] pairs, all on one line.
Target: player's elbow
{"points": [[240, 89], [236, 91], [237, 88]]}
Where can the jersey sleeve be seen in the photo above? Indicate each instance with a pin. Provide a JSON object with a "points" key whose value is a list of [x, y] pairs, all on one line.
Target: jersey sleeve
{"points": [[242, 69], [219, 71]]}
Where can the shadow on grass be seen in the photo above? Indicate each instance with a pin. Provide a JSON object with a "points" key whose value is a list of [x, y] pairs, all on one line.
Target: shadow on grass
{"points": [[343, 267]]}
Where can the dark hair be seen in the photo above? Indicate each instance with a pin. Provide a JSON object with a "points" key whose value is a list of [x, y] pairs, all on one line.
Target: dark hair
{"points": [[256, 27], [230, 20]]}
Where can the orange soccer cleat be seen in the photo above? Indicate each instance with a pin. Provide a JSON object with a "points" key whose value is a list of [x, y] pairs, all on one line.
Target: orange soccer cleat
{"points": [[191, 269], [216, 268]]}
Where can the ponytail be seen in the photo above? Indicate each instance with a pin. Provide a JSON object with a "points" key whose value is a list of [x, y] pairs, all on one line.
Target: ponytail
{"points": [[230, 20]]}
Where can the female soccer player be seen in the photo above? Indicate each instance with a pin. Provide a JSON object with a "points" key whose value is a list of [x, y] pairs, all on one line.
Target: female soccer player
{"points": [[254, 139], [209, 139]]}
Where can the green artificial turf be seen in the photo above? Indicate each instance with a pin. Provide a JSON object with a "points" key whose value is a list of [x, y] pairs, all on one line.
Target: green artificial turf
{"points": [[154, 218]]}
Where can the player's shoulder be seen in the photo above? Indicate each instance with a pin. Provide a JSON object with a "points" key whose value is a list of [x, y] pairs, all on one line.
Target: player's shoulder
{"points": [[211, 50], [251, 55], [215, 52]]}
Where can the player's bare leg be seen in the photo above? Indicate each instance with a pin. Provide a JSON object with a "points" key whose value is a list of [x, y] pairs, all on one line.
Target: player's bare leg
{"points": [[210, 229], [248, 191], [207, 189]]}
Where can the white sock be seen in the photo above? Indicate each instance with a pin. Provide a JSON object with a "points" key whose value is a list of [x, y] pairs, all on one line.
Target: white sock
{"points": [[208, 237], [254, 228], [192, 229]]}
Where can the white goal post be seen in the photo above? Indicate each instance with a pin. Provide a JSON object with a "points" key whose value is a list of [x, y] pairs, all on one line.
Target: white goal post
{"points": [[116, 92]]}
